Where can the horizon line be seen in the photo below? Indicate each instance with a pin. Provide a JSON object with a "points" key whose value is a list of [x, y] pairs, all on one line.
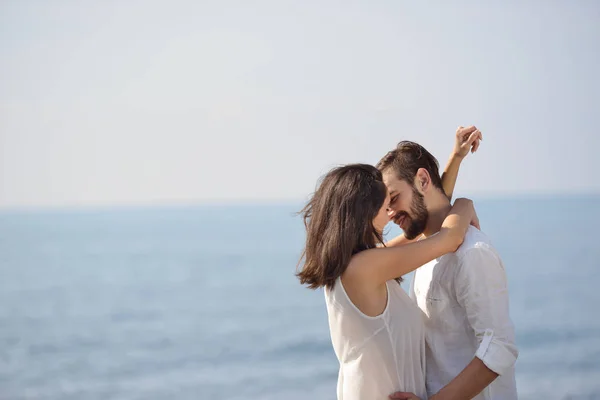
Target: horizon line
{"points": [[171, 204]]}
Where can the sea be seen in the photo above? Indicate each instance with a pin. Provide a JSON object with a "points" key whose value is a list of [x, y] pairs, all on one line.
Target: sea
{"points": [[201, 302]]}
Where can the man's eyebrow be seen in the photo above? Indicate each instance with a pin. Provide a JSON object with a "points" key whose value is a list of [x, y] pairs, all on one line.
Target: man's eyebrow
{"points": [[392, 192]]}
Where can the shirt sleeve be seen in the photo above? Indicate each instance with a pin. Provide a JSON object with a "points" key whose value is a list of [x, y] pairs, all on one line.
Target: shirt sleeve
{"points": [[482, 290]]}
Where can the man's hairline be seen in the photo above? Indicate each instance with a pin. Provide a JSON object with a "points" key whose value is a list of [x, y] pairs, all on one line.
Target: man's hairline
{"points": [[400, 178]]}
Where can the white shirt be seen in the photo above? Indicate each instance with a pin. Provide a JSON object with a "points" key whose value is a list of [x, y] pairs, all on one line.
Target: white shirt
{"points": [[378, 355], [464, 298]]}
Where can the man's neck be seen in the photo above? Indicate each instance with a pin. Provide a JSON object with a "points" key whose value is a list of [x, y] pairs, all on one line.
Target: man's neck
{"points": [[438, 207]]}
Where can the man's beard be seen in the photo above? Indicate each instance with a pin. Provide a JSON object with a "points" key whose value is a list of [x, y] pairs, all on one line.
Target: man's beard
{"points": [[417, 219]]}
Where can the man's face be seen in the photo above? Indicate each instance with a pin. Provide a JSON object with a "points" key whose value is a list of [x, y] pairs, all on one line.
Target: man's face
{"points": [[407, 206]]}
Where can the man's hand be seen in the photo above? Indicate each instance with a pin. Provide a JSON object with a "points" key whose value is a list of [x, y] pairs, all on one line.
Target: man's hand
{"points": [[466, 139], [404, 396]]}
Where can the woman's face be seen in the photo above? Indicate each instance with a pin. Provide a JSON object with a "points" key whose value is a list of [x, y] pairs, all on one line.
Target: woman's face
{"points": [[382, 218]]}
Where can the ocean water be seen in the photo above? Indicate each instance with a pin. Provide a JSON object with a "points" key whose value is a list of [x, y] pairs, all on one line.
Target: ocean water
{"points": [[202, 302]]}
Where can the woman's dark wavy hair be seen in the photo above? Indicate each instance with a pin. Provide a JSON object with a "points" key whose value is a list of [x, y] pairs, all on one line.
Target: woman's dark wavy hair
{"points": [[339, 222]]}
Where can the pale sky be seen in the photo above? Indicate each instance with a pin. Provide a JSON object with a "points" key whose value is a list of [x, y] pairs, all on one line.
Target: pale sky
{"points": [[143, 102]]}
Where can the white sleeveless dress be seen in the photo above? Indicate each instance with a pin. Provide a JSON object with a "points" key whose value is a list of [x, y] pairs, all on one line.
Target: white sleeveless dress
{"points": [[378, 355]]}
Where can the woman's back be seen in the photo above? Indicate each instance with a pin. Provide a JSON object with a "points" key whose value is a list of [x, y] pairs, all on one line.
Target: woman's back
{"points": [[378, 355]]}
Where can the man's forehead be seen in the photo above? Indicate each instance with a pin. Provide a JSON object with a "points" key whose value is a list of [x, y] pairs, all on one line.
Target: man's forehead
{"points": [[394, 184], [394, 190]]}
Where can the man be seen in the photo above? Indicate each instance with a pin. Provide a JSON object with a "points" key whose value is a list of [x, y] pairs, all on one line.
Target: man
{"points": [[470, 340]]}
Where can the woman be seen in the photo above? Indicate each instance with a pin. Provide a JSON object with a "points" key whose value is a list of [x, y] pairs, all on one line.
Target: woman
{"points": [[376, 330]]}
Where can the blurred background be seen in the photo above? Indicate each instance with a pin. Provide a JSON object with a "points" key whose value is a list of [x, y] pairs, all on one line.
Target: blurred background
{"points": [[153, 155]]}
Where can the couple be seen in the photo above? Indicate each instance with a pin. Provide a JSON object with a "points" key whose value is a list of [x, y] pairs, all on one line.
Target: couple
{"points": [[453, 337]]}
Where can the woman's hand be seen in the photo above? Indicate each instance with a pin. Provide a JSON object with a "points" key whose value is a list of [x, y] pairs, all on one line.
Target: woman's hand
{"points": [[466, 139], [455, 226], [475, 220]]}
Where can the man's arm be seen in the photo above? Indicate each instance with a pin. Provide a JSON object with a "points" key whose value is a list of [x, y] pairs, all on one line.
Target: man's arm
{"points": [[469, 383], [482, 290]]}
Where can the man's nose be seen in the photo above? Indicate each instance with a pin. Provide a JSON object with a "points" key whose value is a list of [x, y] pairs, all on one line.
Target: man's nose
{"points": [[390, 212]]}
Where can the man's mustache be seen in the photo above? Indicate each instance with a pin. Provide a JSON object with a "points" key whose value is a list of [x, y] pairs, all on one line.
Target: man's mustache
{"points": [[399, 215]]}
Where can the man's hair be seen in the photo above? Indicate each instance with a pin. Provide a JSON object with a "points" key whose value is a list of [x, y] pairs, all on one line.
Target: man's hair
{"points": [[406, 159]]}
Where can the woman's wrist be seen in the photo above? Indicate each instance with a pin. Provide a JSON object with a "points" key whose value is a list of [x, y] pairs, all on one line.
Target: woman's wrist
{"points": [[451, 239], [455, 156]]}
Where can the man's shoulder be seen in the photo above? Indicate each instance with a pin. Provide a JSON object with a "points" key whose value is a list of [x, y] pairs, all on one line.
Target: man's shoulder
{"points": [[475, 240]]}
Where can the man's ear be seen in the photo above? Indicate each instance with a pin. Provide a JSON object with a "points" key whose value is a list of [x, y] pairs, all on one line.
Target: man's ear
{"points": [[422, 180]]}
